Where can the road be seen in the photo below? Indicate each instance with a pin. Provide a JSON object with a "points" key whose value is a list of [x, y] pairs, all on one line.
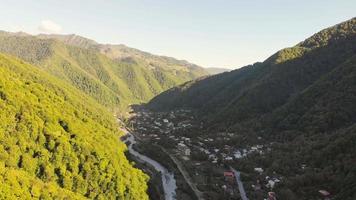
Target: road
{"points": [[239, 183], [186, 175]]}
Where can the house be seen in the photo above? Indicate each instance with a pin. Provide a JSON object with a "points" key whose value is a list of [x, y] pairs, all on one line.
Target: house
{"points": [[213, 158], [224, 187], [259, 170], [272, 196], [270, 184], [237, 154], [187, 152], [157, 123], [228, 158], [184, 149], [326, 195], [257, 186], [276, 180], [206, 151], [229, 176], [254, 148]]}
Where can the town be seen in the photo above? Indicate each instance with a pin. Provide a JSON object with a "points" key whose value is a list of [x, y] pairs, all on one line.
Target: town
{"points": [[207, 157]]}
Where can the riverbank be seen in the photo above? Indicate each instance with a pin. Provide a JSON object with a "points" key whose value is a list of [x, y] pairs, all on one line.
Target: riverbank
{"points": [[155, 188], [156, 152], [167, 177]]}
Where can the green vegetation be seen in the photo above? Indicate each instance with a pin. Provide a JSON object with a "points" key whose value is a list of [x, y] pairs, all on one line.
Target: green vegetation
{"points": [[58, 143], [114, 75], [302, 99]]}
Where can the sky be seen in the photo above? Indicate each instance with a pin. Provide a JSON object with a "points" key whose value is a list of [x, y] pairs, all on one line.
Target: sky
{"points": [[210, 33]]}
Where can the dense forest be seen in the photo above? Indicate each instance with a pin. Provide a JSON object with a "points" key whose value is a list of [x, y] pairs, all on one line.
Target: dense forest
{"points": [[59, 139], [301, 100], [58, 143], [115, 75]]}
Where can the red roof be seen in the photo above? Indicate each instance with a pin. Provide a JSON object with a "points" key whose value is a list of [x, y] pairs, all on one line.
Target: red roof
{"points": [[271, 196], [229, 173]]}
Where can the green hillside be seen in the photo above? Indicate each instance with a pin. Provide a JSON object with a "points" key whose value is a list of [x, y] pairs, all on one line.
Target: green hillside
{"points": [[238, 95], [301, 101], [57, 143], [114, 81]]}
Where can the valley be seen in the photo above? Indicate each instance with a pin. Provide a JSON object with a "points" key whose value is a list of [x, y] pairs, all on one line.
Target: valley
{"points": [[81, 119], [287, 123], [271, 130], [205, 162]]}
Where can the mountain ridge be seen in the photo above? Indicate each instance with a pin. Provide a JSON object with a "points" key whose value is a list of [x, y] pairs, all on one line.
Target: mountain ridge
{"points": [[115, 83]]}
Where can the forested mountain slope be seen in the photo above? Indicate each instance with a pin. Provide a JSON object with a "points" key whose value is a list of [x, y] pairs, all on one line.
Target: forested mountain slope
{"points": [[301, 101], [261, 88], [58, 143], [121, 52], [114, 79]]}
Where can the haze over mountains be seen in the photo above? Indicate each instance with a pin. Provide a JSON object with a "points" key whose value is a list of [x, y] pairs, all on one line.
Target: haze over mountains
{"points": [[302, 98], [214, 70]]}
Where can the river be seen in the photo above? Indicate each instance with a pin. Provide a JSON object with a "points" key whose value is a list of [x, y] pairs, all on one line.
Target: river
{"points": [[168, 180]]}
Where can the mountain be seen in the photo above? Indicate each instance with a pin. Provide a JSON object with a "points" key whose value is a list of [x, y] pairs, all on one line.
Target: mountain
{"points": [[277, 80], [301, 99], [122, 52], [57, 142], [114, 75], [216, 70]]}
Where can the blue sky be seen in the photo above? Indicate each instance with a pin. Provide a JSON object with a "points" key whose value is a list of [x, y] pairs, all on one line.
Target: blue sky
{"points": [[211, 33]]}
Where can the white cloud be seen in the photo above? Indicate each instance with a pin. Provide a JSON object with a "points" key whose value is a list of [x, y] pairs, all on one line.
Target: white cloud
{"points": [[48, 26]]}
